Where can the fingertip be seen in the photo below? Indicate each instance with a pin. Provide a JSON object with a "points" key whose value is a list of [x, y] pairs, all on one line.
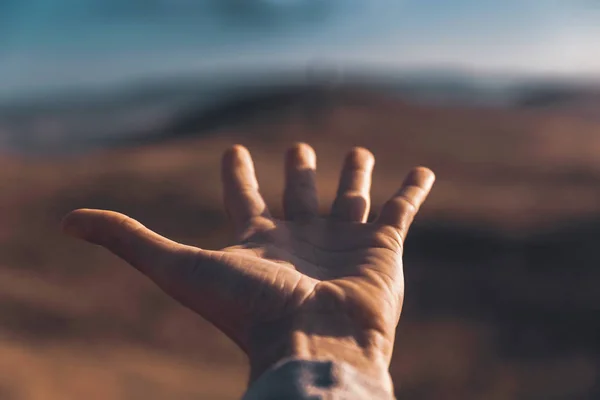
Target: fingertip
{"points": [[301, 153], [72, 224], [237, 149], [301, 147], [421, 177], [93, 225], [235, 154], [237, 167], [359, 158]]}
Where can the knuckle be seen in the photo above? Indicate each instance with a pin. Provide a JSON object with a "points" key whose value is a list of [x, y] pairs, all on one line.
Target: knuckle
{"points": [[403, 206], [305, 180], [351, 196], [389, 237]]}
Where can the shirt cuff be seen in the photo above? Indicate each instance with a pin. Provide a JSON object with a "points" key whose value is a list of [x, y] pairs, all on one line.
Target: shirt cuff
{"points": [[297, 379]]}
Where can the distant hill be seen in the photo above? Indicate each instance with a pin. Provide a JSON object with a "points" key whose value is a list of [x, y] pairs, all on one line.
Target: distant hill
{"points": [[146, 111], [583, 101]]}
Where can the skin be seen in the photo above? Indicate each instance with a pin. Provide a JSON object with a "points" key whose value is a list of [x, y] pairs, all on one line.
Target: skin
{"points": [[306, 286]]}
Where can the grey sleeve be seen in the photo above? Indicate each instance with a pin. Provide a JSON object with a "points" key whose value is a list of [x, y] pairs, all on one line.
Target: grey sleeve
{"points": [[314, 380]]}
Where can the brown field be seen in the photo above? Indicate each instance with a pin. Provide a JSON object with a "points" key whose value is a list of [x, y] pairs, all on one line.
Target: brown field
{"points": [[502, 264]]}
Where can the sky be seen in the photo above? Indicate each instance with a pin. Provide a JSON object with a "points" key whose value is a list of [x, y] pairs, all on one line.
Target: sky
{"points": [[54, 44]]}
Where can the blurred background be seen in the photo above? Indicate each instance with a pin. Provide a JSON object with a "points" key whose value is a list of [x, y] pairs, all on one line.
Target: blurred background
{"points": [[127, 105]]}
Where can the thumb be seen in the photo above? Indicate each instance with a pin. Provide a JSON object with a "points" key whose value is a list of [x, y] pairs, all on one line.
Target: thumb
{"points": [[126, 238]]}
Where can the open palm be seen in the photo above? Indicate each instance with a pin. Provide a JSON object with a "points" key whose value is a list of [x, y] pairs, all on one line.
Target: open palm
{"points": [[283, 273]]}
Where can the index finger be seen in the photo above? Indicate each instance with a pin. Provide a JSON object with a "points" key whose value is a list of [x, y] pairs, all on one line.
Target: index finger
{"points": [[240, 188]]}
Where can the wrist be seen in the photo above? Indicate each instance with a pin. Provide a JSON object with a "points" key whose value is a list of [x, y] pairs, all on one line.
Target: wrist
{"points": [[322, 337]]}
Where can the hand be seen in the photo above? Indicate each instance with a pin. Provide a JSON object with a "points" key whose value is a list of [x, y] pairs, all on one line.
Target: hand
{"points": [[305, 286]]}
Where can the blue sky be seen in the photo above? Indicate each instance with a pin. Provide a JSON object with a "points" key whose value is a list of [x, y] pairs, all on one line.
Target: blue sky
{"points": [[58, 43]]}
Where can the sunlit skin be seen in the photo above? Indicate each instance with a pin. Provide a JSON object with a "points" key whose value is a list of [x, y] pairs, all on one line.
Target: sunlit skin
{"points": [[305, 286]]}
